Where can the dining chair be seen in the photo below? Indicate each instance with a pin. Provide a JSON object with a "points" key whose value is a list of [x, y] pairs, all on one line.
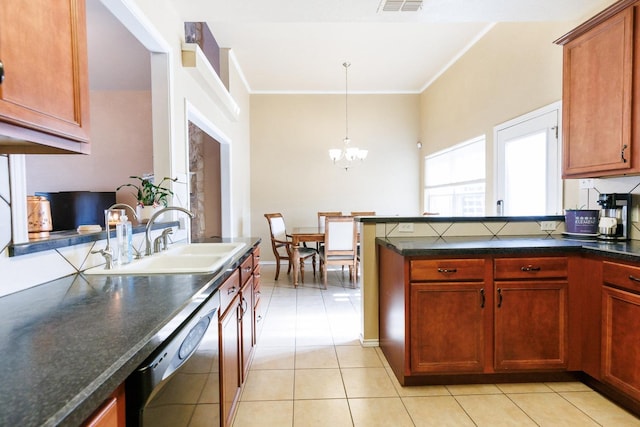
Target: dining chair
{"points": [[321, 217], [282, 247], [339, 248]]}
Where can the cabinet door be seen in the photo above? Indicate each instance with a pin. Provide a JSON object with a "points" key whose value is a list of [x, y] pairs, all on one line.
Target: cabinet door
{"points": [[246, 326], [597, 99], [45, 90], [531, 325], [229, 360], [447, 327], [621, 340], [111, 413], [257, 307]]}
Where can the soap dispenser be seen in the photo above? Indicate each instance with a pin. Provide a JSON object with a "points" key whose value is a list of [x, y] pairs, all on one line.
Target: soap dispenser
{"points": [[124, 238]]}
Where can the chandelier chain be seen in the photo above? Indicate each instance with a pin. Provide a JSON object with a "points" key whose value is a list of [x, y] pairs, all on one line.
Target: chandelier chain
{"points": [[346, 98]]}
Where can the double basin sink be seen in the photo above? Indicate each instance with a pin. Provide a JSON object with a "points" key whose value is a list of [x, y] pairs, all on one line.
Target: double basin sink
{"points": [[179, 258]]}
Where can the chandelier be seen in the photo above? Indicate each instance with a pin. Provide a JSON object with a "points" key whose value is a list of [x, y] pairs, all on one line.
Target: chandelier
{"points": [[347, 156]]}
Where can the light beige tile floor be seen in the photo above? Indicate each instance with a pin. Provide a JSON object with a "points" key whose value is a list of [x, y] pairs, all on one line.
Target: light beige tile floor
{"points": [[309, 369]]}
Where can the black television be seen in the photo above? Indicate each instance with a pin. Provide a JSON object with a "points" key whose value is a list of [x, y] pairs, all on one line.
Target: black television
{"points": [[70, 209]]}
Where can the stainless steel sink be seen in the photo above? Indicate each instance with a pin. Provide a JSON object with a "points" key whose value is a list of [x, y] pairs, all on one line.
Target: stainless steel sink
{"points": [[180, 258]]}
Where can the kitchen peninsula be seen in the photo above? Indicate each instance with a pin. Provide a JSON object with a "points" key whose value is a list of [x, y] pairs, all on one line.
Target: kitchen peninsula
{"points": [[495, 307]]}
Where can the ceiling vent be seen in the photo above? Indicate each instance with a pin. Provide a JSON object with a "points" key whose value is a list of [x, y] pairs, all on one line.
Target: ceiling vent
{"points": [[400, 6]]}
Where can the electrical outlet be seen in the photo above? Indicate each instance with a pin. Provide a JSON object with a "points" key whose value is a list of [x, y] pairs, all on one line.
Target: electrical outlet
{"points": [[405, 227], [548, 225], [586, 184]]}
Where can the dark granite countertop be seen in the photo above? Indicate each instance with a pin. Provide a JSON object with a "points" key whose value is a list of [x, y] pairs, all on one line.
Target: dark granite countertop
{"points": [[505, 245], [436, 218], [68, 343]]}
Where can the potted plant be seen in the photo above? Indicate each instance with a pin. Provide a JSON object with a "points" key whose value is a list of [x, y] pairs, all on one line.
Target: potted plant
{"points": [[149, 196]]}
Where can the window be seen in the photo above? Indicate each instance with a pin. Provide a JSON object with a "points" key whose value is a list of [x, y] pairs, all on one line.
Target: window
{"points": [[528, 163], [455, 180]]}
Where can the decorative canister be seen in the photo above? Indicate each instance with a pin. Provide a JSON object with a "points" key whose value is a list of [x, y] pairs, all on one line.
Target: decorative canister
{"points": [[39, 217], [581, 221]]}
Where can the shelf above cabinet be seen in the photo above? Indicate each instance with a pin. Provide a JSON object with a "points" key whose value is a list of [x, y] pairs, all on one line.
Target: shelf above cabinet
{"points": [[194, 60]]}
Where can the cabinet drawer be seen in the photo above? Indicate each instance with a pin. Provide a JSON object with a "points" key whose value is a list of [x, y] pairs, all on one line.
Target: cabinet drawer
{"points": [[530, 268], [447, 269], [246, 269], [228, 290], [621, 275]]}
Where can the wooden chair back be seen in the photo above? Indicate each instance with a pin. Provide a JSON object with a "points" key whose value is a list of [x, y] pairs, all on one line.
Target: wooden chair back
{"points": [[323, 215], [363, 213], [340, 236], [278, 233]]}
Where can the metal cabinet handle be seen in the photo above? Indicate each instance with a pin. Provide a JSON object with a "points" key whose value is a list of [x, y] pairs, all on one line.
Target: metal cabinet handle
{"points": [[499, 297], [530, 268], [231, 290], [482, 298], [447, 270], [624, 147], [247, 269], [243, 308], [1, 72], [635, 279]]}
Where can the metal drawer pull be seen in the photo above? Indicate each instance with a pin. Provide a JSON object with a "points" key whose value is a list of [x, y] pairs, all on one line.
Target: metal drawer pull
{"points": [[529, 268], [231, 290], [447, 270], [635, 279], [499, 297], [482, 298]]}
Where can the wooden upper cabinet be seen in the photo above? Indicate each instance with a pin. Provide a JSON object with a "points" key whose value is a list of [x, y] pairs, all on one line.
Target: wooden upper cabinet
{"points": [[601, 100], [44, 97]]}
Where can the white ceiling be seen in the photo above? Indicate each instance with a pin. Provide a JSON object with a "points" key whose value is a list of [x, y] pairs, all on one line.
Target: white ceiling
{"points": [[298, 46]]}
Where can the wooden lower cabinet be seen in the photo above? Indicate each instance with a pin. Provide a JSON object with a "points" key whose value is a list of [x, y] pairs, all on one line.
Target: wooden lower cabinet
{"points": [[447, 327], [230, 376], [621, 340], [531, 325], [483, 315], [111, 413], [237, 337]]}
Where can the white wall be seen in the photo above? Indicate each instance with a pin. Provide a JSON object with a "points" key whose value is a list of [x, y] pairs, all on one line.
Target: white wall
{"points": [[121, 146], [291, 171]]}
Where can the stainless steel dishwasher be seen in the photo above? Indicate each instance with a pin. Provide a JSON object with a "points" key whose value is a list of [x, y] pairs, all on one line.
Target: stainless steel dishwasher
{"points": [[178, 385]]}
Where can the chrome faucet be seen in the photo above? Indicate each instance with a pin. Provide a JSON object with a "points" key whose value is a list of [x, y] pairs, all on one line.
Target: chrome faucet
{"points": [[106, 227], [161, 243], [147, 238]]}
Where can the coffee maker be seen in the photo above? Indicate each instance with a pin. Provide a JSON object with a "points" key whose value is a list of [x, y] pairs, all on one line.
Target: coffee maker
{"points": [[615, 216]]}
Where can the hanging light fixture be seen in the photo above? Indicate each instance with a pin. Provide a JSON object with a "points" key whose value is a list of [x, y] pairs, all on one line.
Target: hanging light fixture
{"points": [[347, 156]]}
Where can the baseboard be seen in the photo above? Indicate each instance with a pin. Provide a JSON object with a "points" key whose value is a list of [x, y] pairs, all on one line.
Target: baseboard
{"points": [[370, 342]]}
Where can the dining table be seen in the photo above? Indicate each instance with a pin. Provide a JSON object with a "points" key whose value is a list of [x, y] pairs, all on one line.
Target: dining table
{"points": [[301, 235]]}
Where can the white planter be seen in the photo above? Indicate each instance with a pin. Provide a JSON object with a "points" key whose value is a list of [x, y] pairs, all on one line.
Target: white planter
{"points": [[145, 213]]}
